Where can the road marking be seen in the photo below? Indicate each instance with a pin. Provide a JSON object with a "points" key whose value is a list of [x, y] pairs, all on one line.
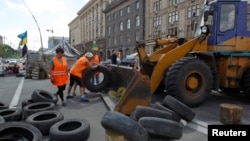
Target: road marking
{"points": [[17, 94]]}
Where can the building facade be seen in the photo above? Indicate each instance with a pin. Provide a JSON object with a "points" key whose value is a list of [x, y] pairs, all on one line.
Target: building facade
{"points": [[118, 24], [124, 26], [88, 28]]}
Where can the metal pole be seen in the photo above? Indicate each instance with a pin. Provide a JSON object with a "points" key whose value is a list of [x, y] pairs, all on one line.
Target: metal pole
{"points": [[37, 27]]}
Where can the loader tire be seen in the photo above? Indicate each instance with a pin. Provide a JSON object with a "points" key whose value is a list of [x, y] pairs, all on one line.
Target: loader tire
{"points": [[180, 108], [125, 125], [160, 127], [13, 131], [88, 74], [245, 84], [189, 80], [39, 95], [70, 130]]}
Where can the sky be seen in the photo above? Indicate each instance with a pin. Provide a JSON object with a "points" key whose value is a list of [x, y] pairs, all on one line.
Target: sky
{"points": [[16, 17]]}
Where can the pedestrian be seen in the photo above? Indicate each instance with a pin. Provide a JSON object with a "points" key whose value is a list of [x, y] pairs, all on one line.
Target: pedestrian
{"points": [[75, 84], [95, 59], [114, 57], [137, 62], [76, 74], [58, 70]]}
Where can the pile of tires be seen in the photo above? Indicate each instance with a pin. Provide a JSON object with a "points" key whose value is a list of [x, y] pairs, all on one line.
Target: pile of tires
{"points": [[160, 119], [38, 118]]}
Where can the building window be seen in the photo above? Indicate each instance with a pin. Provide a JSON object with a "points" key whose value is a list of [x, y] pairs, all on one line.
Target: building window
{"points": [[193, 11], [121, 26], [197, 10], [114, 28], [115, 41], [137, 5], [128, 38], [121, 12], [157, 5], [128, 9], [137, 21], [157, 21], [173, 2], [109, 41], [169, 17], [176, 15], [189, 12], [109, 29], [128, 24], [137, 35], [121, 40]]}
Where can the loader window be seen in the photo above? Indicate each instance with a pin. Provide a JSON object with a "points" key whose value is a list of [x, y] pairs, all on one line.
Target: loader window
{"points": [[227, 17]]}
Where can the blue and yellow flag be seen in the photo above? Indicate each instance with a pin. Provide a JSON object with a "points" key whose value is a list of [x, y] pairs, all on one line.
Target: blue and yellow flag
{"points": [[23, 37]]}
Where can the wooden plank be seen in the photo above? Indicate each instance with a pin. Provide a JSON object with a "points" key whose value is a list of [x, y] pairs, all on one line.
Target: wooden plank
{"points": [[112, 135]]}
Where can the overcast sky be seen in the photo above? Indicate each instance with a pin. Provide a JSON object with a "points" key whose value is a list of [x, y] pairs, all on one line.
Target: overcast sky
{"points": [[15, 19]]}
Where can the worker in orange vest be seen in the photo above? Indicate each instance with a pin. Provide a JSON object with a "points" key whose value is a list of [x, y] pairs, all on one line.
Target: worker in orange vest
{"points": [[58, 70], [95, 59], [77, 71]]}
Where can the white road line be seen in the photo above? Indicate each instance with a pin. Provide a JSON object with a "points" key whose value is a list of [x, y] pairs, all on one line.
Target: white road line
{"points": [[17, 94], [197, 125]]}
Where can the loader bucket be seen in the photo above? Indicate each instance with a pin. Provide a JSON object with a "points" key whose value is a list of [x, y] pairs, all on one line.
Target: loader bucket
{"points": [[137, 89]]}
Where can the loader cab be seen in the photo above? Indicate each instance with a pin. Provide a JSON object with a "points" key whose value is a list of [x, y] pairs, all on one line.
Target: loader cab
{"points": [[228, 22]]}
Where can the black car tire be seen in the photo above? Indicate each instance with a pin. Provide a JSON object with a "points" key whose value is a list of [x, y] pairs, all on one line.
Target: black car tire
{"points": [[70, 130], [124, 125], [160, 106], [27, 102], [39, 95], [180, 108], [37, 107], [144, 111], [88, 74], [3, 105], [162, 127], [11, 114], [10, 130], [44, 120], [2, 120]]}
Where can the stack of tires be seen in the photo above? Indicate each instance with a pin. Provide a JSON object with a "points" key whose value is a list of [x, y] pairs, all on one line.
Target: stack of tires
{"points": [[38, 118], [160, 119]]}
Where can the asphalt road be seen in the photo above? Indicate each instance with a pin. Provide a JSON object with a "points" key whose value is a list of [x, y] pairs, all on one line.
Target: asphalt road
{"points": [[13, 90]]}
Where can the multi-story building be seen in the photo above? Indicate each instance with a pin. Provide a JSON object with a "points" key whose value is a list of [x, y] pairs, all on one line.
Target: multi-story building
{"points": [[124, 25], [88, 28], [174, 18], [118, 24]]}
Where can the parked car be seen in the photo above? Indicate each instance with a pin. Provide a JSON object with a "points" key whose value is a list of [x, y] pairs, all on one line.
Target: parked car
{"points": [[128, 62]]}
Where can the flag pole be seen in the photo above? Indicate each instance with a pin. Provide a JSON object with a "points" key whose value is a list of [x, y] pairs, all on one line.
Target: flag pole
{"points": [[37, 27]]}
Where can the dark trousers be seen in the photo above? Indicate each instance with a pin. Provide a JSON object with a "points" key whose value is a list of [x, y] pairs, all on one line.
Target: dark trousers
{"points": [[60, 91]]}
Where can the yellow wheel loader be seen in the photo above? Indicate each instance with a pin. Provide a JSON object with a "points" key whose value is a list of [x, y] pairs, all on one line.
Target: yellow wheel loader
{"points": [[218, 57]]}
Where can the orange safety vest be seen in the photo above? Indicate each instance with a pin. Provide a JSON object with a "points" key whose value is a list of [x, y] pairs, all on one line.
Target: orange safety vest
{"points": [[96, 59], [59, 72], [79, 67]]}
